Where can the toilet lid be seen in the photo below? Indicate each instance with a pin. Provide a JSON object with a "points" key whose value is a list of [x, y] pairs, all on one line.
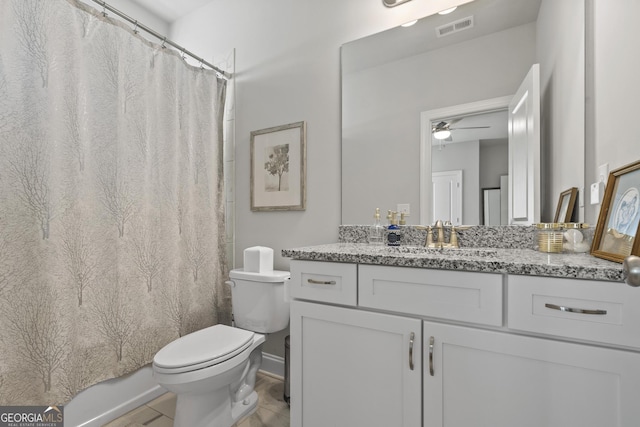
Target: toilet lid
{"points": [[264, 277], [203, 348]]}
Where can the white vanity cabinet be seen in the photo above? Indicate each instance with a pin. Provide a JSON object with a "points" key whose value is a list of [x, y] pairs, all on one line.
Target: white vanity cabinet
{"points": [[451, 348], [475, 377], [354, 368]]}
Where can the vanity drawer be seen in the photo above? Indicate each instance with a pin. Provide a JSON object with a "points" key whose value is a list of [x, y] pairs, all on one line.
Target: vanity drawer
{"points": [[324, 281], [454, 295], [604, 312]]}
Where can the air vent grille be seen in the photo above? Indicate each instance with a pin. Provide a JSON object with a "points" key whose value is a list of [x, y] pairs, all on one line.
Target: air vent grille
{"points": [[455, 26]]}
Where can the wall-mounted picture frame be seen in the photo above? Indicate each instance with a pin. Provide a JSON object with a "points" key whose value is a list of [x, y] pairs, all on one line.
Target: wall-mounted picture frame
{"points": [[615, 235], [566, 204], [279, 168]]}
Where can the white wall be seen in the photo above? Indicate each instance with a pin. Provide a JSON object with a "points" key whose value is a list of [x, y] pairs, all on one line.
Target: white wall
{"points": [[615, 91], [137, 12], [561, 54]]}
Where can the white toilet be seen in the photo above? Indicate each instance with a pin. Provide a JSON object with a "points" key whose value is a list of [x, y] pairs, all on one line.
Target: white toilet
{"points": [[213, 371]]}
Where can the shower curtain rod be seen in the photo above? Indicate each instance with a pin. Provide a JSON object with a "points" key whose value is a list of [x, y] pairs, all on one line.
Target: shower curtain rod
{"points": [[182, 50]]}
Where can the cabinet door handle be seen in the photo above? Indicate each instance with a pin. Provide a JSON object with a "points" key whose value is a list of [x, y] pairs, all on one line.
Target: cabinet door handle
{"points": [[431, 340], [321, 282], [411, 338], [575, 310]]}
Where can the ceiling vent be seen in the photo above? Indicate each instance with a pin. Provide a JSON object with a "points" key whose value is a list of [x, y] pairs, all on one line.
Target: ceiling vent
{"points": [[455, 26]]}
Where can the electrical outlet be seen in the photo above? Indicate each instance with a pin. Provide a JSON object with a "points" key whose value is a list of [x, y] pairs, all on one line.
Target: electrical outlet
{"points": [[404, 208]]}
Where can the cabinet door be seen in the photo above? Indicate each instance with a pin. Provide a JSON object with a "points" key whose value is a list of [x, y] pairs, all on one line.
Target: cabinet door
{"points": [[352, 368], [486, 378]]}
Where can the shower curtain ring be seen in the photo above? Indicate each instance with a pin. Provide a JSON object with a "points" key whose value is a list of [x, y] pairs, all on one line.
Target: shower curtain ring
{"points": [[183, 57], [104, 9], [164, 40], [135, 28]]}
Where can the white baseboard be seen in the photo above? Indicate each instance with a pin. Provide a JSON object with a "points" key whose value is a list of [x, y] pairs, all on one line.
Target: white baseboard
{"points": [[272, 364], [108, 400]]}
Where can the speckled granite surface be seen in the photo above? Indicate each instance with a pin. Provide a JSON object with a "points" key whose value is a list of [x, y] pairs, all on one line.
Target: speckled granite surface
{"points": [[491, 260], [516, 237]]}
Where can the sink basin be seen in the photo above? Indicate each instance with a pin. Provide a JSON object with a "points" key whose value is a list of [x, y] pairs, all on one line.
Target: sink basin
{"points": [[420, 250]]}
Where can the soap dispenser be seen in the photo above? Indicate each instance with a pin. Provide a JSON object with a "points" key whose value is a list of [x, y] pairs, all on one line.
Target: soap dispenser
{"points": [[376, 231], [394, 234]]}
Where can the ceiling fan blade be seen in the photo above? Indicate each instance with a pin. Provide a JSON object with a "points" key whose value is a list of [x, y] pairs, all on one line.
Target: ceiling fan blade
{"points": [[472, 127], [440, 126]]}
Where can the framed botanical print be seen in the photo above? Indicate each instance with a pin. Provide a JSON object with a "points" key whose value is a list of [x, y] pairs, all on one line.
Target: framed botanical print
{"points": [[278, 168]]}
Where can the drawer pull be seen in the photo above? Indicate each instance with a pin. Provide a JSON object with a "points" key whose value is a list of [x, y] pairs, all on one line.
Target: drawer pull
{"points": [[411, 338], [321, 282], [575, 310], [431, 356]]}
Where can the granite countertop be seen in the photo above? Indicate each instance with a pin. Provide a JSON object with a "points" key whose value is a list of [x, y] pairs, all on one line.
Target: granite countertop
{"points": [[489, 260]]}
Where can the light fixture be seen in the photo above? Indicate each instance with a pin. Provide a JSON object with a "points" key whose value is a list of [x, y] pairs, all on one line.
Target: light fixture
{"points": [[447, 11], [441, 133], [410, 23]]}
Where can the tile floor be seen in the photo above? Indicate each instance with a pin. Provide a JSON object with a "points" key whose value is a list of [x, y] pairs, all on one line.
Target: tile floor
{"points": [[272, 411]]}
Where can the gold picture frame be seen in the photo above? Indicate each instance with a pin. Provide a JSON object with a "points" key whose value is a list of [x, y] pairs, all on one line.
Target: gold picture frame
{"points": [[619, 218], [278, 168], [566, 204]]}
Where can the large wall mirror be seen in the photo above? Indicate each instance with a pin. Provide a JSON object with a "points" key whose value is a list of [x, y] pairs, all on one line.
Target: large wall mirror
{"points": [[481, 51]]}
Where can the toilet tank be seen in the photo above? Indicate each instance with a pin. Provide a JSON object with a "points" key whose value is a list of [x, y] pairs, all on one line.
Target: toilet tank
{"points": [[258, 300]]}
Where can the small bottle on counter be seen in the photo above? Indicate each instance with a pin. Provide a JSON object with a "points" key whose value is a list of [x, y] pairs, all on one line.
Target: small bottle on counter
{"points": [[394, 233], [376, 231]]}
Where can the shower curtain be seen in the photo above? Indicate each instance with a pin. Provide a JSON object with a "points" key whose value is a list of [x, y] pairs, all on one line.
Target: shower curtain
{"points": [[112, 235]]}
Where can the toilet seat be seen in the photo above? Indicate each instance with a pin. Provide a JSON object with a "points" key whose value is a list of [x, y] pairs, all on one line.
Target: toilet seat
{"points": [[201, 349]]}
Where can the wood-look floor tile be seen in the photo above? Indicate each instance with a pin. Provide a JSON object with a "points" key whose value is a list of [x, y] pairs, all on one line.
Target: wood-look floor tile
{"points": [[272, 410], [265, 418], [160, 422], [165, 404]]}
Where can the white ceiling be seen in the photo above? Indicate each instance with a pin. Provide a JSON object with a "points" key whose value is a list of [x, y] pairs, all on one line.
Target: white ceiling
{"points": [[171, 10], [490, 16]]}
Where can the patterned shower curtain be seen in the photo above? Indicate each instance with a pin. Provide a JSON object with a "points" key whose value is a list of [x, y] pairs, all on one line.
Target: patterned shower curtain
{"points": [[112, 239]]}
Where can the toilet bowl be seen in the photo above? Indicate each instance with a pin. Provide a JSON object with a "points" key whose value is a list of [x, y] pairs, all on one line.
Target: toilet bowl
{"points": [[212, 371]]}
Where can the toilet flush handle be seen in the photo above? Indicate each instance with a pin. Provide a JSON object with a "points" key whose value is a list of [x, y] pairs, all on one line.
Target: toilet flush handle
{"points": [[230, 283]]}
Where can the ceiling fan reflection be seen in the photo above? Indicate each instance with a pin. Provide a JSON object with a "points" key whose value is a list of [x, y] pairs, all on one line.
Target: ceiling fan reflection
{"points": [[442, 130]]}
